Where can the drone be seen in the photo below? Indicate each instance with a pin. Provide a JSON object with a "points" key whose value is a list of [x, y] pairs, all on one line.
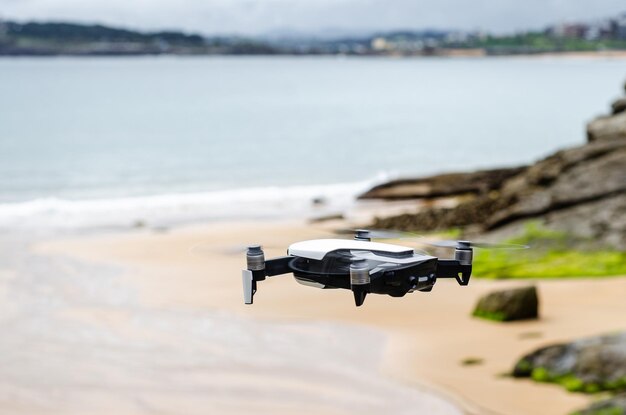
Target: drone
{"points": [[361, 265]]}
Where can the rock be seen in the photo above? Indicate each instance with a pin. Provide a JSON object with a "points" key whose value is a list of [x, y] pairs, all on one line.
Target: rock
{"points": [[567, 178], [607, 128], [477, 210], [442, 185], [612, 406], [139, 223], [327, 218], [509, 305], [619, 105], [588, 365], [603, 221]]}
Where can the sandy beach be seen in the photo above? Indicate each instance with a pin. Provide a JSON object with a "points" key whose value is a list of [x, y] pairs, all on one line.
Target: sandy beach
{"points": [[155, 296]]}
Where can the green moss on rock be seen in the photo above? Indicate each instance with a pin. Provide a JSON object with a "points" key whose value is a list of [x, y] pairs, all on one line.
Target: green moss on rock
{"points": [[553, 255], [607, 411], [489, 315], [574, 384], [540, 374]]}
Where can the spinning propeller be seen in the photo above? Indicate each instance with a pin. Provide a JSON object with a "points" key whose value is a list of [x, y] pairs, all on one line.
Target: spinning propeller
{"points": [[471, 244], [207, 249], [378, 234], [369, 234]]}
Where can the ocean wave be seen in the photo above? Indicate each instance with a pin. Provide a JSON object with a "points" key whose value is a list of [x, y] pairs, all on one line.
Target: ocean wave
{"points": [[175, 208]]}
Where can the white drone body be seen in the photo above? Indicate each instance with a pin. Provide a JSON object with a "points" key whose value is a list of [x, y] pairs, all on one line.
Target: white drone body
{"points": [[318, 248]]}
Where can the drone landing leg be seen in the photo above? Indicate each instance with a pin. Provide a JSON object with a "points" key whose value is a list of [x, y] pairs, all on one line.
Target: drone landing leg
{"points": [[359, 297], [258, 269], [451, 268], [249, 286]]}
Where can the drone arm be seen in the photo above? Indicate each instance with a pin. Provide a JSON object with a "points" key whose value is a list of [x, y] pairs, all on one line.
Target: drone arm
{"points": [[278, 266], [452, 268]]}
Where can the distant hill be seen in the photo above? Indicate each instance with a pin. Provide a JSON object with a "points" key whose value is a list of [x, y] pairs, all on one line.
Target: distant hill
{"points": [[60, 38], [71, 32]]}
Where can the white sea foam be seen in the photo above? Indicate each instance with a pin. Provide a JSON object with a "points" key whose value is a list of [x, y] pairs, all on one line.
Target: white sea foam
{"points": [[176, 208]]}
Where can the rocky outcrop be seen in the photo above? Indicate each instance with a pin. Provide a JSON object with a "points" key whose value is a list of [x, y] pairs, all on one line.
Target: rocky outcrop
{"points": [[607, 128], [580, 190], [612, 126], [619, 106], [442, 185], [566, 179], [588, 365], [509, 305], [468, 212]]}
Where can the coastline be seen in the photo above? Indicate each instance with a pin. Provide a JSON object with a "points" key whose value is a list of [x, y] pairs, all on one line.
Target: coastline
{"points": [[445, 53], [428, 334]]}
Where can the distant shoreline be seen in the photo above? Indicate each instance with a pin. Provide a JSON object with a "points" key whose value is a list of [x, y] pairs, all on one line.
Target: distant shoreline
{"points": [[451, 53], [52, 38]]}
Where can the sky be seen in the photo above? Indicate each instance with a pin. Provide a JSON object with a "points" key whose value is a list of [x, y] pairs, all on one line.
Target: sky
{"points": [[258, 17]]}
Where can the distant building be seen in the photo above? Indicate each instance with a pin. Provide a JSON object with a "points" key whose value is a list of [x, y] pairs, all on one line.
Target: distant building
{"points": [[457, 37], [594, 33], [380, 44], [3, 29], [620, 27], [607, 29], [569, 30]]}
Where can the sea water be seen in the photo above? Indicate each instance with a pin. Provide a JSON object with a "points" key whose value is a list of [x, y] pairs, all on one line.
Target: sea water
{"points": [[113, 141]]}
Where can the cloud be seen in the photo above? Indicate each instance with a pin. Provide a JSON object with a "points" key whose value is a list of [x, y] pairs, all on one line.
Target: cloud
{"points": [[260, 16]]}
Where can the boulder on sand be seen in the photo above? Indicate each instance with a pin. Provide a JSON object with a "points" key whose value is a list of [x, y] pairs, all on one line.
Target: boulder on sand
{"points": [[588, 365], [509, 305]]}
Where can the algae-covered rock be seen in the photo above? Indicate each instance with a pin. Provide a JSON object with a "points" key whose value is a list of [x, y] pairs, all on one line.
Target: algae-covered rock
{"points": [[509, 305], [612, 406], [588, 365]]}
